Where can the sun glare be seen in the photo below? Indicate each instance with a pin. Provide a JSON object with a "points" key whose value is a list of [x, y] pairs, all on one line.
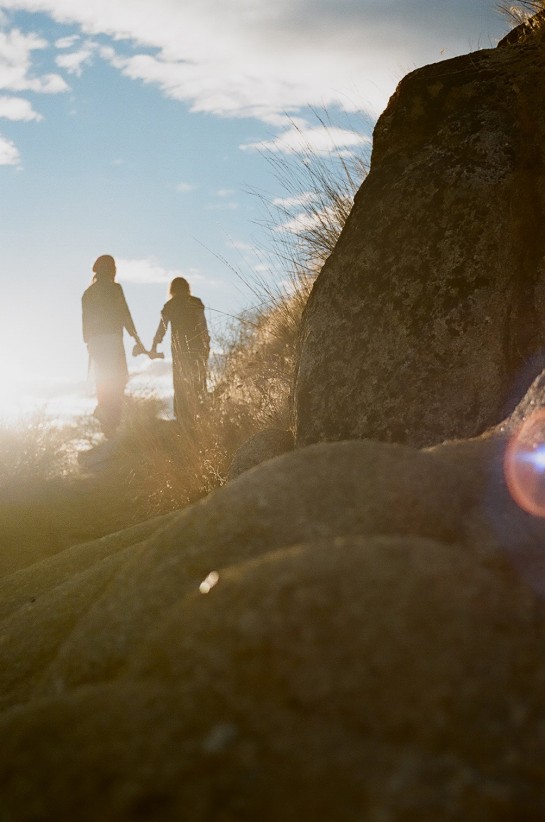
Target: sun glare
{"points": [[11, 394], [39, 375], [524, 465], [23, 394]]}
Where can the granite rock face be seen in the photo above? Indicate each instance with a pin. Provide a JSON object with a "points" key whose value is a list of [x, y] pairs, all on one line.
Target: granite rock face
{"points": [[350, 631], [431, 305], [263, 446]]}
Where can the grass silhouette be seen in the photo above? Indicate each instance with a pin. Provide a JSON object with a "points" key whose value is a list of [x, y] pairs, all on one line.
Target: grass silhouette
{"points": [[528, 12], [49, 500]]}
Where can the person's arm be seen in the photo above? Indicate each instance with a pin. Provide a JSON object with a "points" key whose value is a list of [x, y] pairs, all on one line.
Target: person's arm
{"points": [[161, 331]]}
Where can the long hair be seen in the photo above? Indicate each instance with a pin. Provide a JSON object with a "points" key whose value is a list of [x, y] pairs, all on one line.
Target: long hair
{"points": [[104, 269], [179, 285]]}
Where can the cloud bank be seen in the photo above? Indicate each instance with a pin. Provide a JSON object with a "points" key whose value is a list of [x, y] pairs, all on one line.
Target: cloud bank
{"points": [[257, 59], [16, 74], [260, 59]]}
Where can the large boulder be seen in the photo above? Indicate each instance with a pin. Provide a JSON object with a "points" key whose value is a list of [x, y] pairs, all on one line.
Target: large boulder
{"points": [[430, 305], [263, 446], [360, 678], [349, 631]]}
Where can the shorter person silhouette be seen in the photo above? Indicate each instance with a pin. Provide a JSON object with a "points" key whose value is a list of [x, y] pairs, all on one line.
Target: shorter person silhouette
{"points": [[190, 343], [105, 315]]}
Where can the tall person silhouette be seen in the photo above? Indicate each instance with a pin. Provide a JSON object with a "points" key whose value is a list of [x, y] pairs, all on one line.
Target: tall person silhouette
{"points": [[190, 344], [105, 315]]}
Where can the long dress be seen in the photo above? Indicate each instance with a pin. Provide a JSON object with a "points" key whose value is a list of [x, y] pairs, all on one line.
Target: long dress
{"points": [[190, 345], [105, 314]]}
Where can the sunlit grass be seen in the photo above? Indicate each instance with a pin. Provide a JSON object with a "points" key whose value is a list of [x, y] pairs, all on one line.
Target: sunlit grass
{"points": [[52, 495], [33, 450], [324, 186], [50, 498], [525, 11]]}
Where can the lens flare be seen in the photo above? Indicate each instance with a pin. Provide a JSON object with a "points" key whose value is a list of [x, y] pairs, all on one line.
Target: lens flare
{"points": [[524, 465]]}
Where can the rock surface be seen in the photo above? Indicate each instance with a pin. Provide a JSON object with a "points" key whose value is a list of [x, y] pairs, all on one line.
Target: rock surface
{"points": [[432, 302], [261, 447], [345, 632]]}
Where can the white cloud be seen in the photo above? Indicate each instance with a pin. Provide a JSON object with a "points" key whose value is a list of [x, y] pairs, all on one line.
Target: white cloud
{"points": [[307, 221], [17, 108], [67, 42], [143, 271], [16, 50], [47, 84], [320, 140], [287, 203], [263, 59], [9, 153], [74, 61], [284, 121], [148, 271]]}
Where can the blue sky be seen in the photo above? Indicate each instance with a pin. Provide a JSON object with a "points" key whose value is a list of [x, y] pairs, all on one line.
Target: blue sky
{"points": [[133, 127]]}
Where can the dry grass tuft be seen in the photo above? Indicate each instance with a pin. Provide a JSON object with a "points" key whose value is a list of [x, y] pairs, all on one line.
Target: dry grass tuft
{"points": [[49, 501], [530, 13]]}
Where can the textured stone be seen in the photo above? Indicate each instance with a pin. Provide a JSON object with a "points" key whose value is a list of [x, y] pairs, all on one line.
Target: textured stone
{"points": [[366, 645], [261, 447], [431, 304], [383, 677], [85, 624]]}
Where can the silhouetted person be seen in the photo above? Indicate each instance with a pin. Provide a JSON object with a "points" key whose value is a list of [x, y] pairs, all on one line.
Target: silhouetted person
{"points": [[190, 348], [105, 314]]}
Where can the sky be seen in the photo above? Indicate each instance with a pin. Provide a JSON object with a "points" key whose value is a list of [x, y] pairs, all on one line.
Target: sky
{"points": [[144, 128]]}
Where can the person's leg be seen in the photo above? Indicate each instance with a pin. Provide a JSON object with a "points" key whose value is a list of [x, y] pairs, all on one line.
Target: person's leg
{"points": [[110, 396], [187, 396], [180, 391], [111, 374], [199, 381]]}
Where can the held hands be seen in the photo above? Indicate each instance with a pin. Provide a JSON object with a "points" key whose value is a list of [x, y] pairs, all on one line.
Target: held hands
{"points": [[138, 348], [153, 354]]}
